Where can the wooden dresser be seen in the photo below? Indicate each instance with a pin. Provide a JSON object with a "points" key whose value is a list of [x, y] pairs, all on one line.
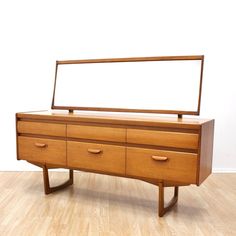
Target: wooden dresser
{"points": [[162, 151]]}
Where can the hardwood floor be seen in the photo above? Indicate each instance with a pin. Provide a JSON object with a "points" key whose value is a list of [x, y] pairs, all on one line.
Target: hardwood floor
{"points": [[106, 205]]}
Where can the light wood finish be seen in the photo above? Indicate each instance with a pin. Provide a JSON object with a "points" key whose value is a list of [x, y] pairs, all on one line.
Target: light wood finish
{"points": [[180, 166], [200, 86], [133, 59], [41, 128], [94, 151], [161, 138], [161, 151], [110, 109], [113, 118], [41, 145], [49, 151], [206, 150], [166, 183], [159, 158], [96, 133], [110, 158], [100, 205]]}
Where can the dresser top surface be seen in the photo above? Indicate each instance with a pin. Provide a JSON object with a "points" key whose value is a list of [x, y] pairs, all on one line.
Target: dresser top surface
{"points": [[114, 118]]}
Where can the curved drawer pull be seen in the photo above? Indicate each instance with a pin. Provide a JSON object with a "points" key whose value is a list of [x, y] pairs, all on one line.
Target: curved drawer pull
{"points": [[40, 145], [159, 158], [94, 151]]}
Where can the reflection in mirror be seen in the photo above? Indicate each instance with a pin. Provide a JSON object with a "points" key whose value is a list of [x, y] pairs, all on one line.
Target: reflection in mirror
{"points": [[149, 85]]}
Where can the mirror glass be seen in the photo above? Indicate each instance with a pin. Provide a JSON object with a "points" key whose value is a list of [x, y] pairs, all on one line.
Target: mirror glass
{"points": [[149, 85]]}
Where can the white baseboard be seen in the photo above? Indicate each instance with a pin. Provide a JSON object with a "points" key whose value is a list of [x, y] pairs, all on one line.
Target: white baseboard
{"points": [[224, 170]]}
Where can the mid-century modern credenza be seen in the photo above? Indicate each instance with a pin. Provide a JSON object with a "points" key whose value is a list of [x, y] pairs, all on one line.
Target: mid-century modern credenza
{"points": [[164, 151]]}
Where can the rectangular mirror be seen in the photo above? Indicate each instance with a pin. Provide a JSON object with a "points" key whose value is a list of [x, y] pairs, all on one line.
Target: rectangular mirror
{"points": [[170, 85]]}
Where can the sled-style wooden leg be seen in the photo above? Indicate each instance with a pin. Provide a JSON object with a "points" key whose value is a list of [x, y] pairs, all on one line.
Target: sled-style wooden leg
{"points": [[48, 189], [162, 209]]}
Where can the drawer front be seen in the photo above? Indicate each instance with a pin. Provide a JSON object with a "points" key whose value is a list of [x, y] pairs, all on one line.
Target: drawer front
{"points": [[93, 156], [42, 150], [41, 128], [163, 138], [96, 133], [174, 166]]}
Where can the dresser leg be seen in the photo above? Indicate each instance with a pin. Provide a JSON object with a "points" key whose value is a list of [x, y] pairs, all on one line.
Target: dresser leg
{"points": [[48, 189], [162, 209]]}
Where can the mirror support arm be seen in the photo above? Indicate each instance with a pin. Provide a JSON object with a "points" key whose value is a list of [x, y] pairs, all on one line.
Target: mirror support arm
{"points": [[71, 111], [180, 116]]}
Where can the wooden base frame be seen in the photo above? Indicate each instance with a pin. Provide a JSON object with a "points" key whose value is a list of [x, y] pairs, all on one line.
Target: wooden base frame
{"points": [[161, 210], [48, 189]]}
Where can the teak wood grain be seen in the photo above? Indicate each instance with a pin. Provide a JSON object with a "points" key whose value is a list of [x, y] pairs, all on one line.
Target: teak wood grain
{"points": [[161, 151], [108, 118], [109, 158], [206, 151], [173, 151], [132, 59], [51, 151], [41, 128], [178, 166], [96, 133], [162, 138]]}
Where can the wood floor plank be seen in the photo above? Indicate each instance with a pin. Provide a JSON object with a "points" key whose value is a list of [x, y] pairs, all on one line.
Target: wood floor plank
{"points": [[105, 205]]}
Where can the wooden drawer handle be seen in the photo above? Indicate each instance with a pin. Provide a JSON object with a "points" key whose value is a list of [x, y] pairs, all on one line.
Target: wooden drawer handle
{"points": [[41, 145], [159, 158], [94, 151]]}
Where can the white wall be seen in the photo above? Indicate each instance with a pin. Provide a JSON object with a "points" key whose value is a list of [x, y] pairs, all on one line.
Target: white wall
{"points": [[34, 34]]}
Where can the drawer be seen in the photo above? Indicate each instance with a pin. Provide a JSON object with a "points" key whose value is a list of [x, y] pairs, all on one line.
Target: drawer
{"points": [[96, 133], [175, 166], [163, 138], [93, 156], [41, 128], [42, 150]]}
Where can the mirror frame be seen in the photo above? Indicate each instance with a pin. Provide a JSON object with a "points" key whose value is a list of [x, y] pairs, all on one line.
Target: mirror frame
{"points": [[132, 59]]}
